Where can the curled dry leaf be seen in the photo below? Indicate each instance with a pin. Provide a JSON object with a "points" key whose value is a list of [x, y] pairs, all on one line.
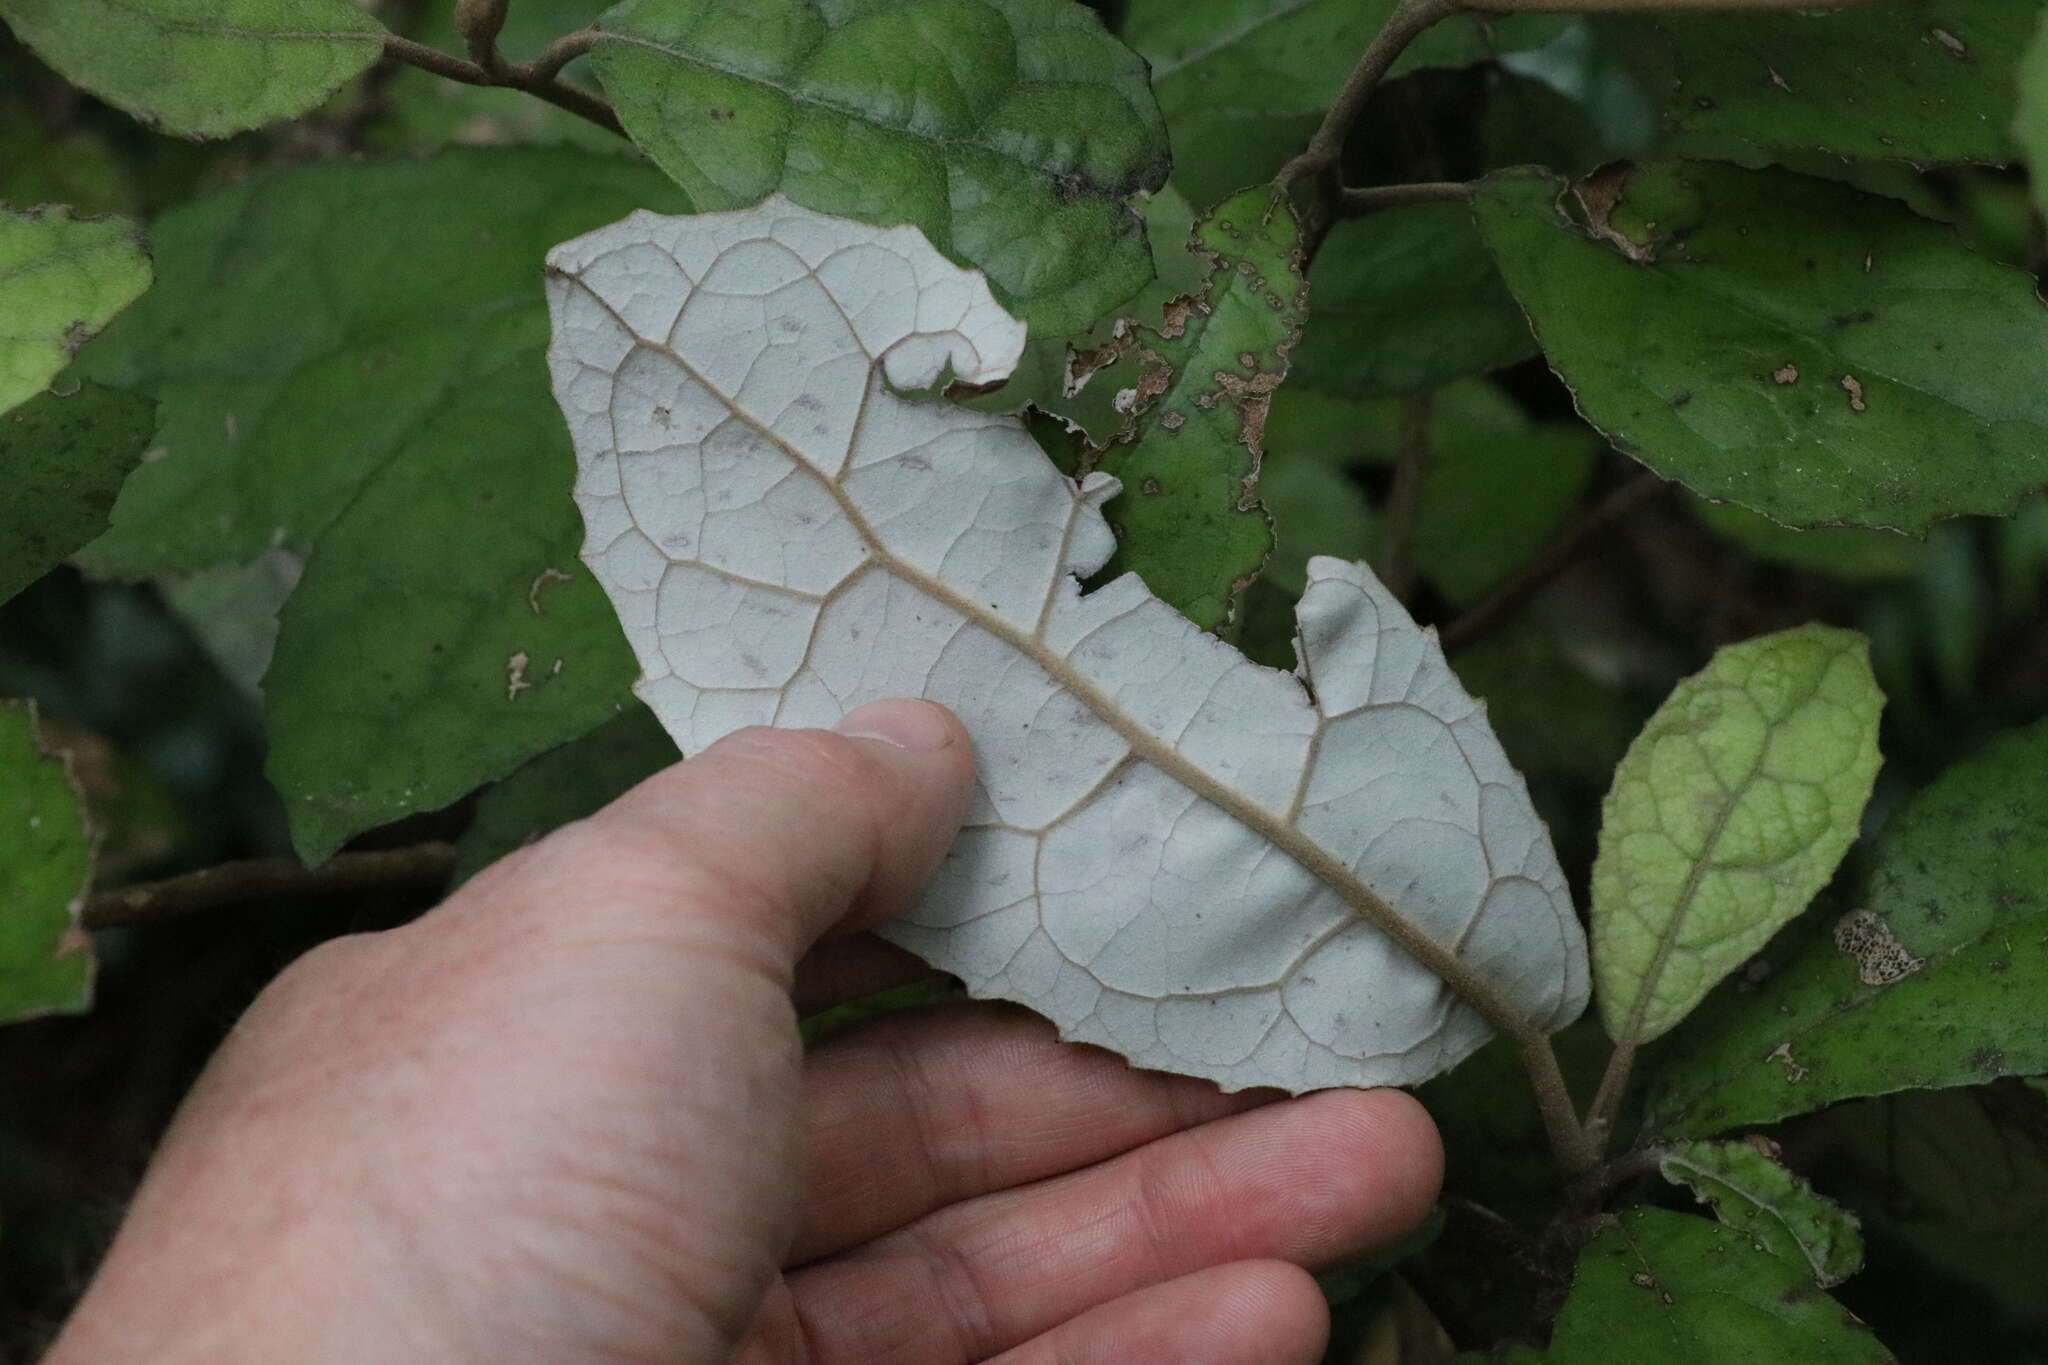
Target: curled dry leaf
{"points": [[1175, 853]]}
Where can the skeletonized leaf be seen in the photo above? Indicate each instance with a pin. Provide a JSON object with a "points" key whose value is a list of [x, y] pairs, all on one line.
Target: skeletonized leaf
{"points": [[45, 866], [205, 68], [1193, 394], [1174, 852], [1729, 812], [61, 278], [1753, 1194]]}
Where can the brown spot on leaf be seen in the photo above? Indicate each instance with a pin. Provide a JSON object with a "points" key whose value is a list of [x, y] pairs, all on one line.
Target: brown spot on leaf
{"points": [[1794, 1072], [1785, 374], [1853, 386], [1881, 958]]}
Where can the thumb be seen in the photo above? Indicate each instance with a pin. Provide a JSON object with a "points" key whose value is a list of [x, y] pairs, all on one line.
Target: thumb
{"points": [[797, 833]]}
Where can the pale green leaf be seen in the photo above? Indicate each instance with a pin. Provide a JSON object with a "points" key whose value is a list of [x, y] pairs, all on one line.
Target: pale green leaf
{"points": [[1818, 355], [1243, 83], [1406, 299], [204, 68], [1729, 812], [1013, 133], [1194, 393], [1916, 80], [1662, 1288], [1935, 979], [46, 961], [1752, 1193], [348, 359], [62, 460], [61, 279]]}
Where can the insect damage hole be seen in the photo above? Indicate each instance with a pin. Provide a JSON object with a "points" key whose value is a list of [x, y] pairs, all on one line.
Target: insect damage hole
{"points": [[1880, 958]]}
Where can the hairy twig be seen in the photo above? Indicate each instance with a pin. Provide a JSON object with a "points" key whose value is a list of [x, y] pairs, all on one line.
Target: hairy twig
{"points": [[479, 22], [1317, 164], [1351, 202], [423, 866], [1570, 1141], [1547, 563], [536, 78], [1404, 499]]}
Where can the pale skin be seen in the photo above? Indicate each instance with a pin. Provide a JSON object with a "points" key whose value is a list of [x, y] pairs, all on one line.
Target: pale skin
{"points": [[566, 1117]]}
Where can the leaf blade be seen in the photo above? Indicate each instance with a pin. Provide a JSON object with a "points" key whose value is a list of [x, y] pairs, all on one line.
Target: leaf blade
{"points": [[1013, 135], [1729, 812], [204, 70], [903, 588], [1753, 1194], [1781, 342], [46, 961], [62, 461], [61, 279]]}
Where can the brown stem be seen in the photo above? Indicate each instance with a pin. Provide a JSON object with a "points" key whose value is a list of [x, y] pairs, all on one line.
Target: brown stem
{"points": [[423, 866], [1607, 1099], [479, 22], [535, 78], [1404, 499], [1318, 161], [1553, 559], [559, 54], [1351, 202]]}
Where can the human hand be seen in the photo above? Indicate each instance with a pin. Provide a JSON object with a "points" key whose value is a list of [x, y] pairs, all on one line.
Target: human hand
{"points": [[566, 1117]]}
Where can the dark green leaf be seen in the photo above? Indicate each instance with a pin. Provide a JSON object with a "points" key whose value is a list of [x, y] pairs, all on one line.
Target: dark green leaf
{"points": [[61, 278], [45, 867], [1197, 390], [1935, 980], [1750, 1192], [349, 363], [2030, 124], [62, 460], [1728, 814], [1014, 133], [1917, 80], [205, 68], [1815, 354], [1662, 1288], [1852, 553], [564, 784], [1243, 83], [1405, 299]]}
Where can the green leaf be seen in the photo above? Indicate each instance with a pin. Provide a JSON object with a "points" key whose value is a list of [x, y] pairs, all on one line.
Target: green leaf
{"points": [[62, 460], [349, 360], [1662, 1288], [1934, 980], [1728, 813], [1188, 520], [564, 784], [1012, 132], [61, 279], [1815, 354], [1406, 299], [1243, 83], [1916, 80], [1752, 1193], [204, 68], [46, 961], [2030, 123], [1851, 553]]}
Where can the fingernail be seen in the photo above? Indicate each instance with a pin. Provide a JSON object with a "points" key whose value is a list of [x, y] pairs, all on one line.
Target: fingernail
{"points": [[904, 723]]}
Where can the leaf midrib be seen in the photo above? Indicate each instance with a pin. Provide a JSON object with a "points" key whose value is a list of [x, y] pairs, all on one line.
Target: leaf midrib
{"points": [[1443, 962]]}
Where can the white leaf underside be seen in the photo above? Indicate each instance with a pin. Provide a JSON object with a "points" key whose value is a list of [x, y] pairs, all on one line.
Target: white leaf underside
{"points": [[1170, 844]]}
